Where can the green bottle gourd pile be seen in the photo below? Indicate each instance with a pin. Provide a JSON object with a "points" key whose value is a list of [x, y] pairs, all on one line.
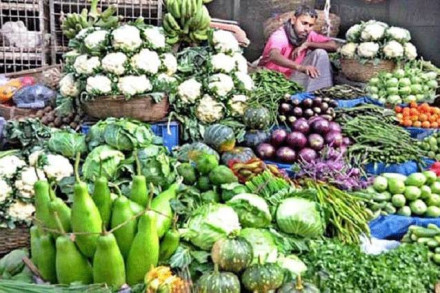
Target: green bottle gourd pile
{"points": [[99, 239]]}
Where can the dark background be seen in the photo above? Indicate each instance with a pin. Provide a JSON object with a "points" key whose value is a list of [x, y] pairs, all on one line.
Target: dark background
{"points": [[420, 17]]}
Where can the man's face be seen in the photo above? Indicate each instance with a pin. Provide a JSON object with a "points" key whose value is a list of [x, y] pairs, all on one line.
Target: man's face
{"points": [[303, 25]]}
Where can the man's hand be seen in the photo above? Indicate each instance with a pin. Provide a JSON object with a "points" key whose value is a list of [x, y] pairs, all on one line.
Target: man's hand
{"points": [[310, 71], [299, 49]]}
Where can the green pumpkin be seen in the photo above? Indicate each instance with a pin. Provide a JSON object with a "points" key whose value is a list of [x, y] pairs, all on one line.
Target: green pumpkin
{"points": [[239, 154], [298, 286], [254, 138], [232, 254], [256, 118], [184, 151], [218, 282], [261, 278], [220, 137]]}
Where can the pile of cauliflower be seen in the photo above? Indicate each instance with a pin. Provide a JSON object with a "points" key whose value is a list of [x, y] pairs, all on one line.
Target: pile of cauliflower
{"points": [[377, 40], [17, 179], [128, 60], [224, 90]]}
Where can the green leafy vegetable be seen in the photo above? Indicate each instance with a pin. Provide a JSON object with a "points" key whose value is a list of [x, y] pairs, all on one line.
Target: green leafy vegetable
{"points": [[106, 156], [262, 242], [67, 143], [251, 209]]}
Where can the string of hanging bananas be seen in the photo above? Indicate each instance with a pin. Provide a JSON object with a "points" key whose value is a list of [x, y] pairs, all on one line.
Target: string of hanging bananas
{"points": [[186, 20], [73, 23]]}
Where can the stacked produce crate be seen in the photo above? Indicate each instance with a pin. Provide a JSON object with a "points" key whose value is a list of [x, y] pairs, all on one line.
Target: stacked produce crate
{"points": [[23, 28], [150, 10]]}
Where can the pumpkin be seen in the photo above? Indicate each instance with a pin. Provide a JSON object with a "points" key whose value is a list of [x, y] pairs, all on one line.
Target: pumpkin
{"points": [[256, 118], [263, 277], [239, 154], [186, 149], [232, 254], [218, 282], [298, 286], [220, 137], [254, 138]]}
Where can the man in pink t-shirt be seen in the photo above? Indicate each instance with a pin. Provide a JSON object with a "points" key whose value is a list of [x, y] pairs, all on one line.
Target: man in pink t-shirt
{"points": [[299, 52]]}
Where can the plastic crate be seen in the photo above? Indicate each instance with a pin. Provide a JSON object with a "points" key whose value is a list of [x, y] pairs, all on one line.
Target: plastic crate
{"points": [[169, 133]]}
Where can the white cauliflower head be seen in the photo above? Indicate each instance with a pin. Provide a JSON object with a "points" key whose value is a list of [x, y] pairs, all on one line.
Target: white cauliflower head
{"points": [[146, 61], [70, 56], [163, 77], [225, 42], [5, 190], [21, 211], [57, 167], [398, 34], [223, 63], [209, 110], [95, 39], [9, 165], [99, 84], [368, 49], [127, 38], [410, 51], [348, 50], [245, 80], [240, 62], [84, 32], [221, 84], [69, 87], [134, 85], [373, 32], [353, 33], [170, 63], [189, 90], [114, 63], [85, 65], [237, 104], [28, 177], [154, 37], [393, 49]]}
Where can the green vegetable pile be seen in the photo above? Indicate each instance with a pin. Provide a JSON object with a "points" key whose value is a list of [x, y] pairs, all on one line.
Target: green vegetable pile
{"points": [[429, 237], [338, 267], [416, 195], [341, 92], [346, 114], [431, 145]]}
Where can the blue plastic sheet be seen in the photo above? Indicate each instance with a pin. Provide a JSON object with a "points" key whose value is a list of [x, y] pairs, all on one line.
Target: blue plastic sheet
{"points": [[341, 103], [420, 133], [406, 168], [394, 226], [285, 167]]}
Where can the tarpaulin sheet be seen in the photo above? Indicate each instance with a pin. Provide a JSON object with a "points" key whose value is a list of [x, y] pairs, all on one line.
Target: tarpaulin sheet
{"points": [[395, 226], [420, 133], [406, 168], [285, 167], [341, 103]]}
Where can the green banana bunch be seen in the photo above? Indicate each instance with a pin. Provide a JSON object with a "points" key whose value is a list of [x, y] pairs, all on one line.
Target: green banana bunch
{"points": [[186, 20], [74, 22]]}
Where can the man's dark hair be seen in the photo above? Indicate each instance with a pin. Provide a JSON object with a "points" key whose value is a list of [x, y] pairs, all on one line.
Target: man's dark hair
{"points": [[306, 10]]}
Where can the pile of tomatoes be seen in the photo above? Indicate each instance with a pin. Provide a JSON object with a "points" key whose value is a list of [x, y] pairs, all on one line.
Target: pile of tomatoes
{"points": [[422, 115]]}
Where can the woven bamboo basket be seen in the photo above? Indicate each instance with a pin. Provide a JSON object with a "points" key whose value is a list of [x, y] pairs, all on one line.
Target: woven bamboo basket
{"points": [[47, 75], [274, 23], [11, 239], [12, 112], [141, 108], [356, 71]]}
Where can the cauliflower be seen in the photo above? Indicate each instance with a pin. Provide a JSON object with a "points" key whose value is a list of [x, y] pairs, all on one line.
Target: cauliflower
{"points": [[25, 185], [368, 49], [241, 62], [85, 31], [99, 84], [237, 104], [393, 49], [5, 190], [410, 51], [383, 24], [57, 167], [84, 65], [9, 165], [114, 63], [127, 38], [223, 63], [70, 56], [221, 84], [134, 85], [398, 34], [21, 211], [189, 90], [354, 33], [225, 42], [146, 61], [209, 110], [68, 86], [163, 77], [348, 50], [95, 39], [154, 37], [170, 63], [245, 80], [373, 32]]}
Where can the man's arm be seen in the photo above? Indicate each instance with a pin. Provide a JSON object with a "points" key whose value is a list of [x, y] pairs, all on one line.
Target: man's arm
{"points": [[329, 46], [276, 57]]}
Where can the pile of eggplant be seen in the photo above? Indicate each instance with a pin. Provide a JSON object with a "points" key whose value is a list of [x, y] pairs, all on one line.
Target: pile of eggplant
{"points": [[291, 110]]}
